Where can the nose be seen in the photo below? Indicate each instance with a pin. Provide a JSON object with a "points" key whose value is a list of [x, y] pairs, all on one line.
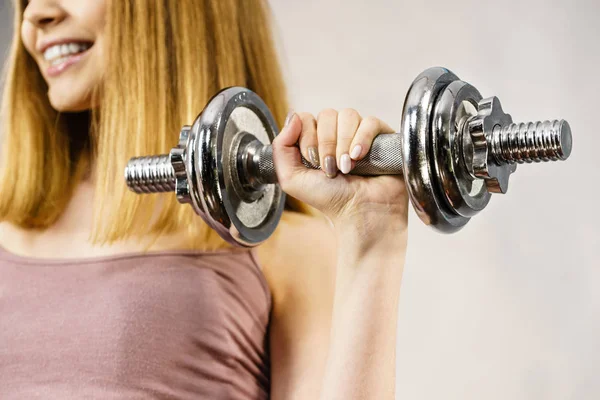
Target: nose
{"points": [[44, 13]]}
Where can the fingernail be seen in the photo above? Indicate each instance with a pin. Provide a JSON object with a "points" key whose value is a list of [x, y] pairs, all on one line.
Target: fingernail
{"points": [[313, 156], [356, 151], [345, 163], [330, 167], [289, 117]]}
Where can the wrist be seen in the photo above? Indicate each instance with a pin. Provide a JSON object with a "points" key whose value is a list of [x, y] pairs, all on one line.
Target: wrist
{"points": [[370, 233], [368, 222]]}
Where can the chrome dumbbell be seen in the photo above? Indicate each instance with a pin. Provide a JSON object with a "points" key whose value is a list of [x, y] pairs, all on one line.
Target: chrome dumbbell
{"points": [[455, 149]]}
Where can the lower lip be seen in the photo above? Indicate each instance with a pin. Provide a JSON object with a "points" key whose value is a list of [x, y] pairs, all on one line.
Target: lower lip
{"points": [[55, 70]]}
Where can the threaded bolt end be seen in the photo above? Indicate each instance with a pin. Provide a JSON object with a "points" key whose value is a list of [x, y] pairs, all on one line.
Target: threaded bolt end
{"points": [[153, 174], [531, 142]]}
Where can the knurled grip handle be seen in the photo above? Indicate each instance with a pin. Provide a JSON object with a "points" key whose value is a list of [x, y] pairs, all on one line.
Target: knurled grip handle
{"points": [[384, 158]]}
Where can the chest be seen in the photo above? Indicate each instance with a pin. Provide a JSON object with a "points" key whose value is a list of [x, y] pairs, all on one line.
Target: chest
{"points": [[111, 323], [161, 326]]}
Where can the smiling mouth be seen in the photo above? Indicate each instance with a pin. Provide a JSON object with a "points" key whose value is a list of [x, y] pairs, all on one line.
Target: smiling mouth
{"points": [[60, 54]]}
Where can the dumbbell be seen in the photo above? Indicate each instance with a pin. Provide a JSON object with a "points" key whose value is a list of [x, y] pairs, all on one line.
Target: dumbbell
{"points": [[455, 150]]}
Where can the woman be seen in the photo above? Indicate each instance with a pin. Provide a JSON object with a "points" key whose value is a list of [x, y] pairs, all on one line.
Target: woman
{"points": [[104, 294]]}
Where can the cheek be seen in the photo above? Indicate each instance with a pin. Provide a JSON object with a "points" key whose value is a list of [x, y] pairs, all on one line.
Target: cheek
{"points": [[94, 14], [91, 13], [28, 36]]}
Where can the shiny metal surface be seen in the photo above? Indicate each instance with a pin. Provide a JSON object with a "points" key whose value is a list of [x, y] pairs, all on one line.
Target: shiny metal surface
{"points": [[464, 194], [531, 142], [152, 174], [177, 158], [480, 128], [454, 150], [497, 144], [230, 113], [384, 158], [417, 116], [252, 211]]}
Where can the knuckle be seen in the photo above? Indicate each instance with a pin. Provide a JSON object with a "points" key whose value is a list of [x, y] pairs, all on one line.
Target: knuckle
{"points": [[349, 114], [371, 122], [306, 116], [371, 127], [328, 113]]}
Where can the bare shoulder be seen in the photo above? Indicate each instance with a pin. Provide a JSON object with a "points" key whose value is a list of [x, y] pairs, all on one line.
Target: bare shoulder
{"points": [[6, 228], [10, 236], [301, 242]]}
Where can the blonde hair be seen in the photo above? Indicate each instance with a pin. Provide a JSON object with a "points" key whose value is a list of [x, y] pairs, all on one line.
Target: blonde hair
{"points": [[165, 60]]}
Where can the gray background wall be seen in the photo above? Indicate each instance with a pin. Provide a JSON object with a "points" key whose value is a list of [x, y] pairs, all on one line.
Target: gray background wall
{"points": [[509, 308]]}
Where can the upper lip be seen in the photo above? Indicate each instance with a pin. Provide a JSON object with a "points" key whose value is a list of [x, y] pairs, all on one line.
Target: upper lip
{"points": [[45, 44]]}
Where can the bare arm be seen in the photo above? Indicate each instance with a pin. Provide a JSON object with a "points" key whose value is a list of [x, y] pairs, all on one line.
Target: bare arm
{"points": [[333, 338], [361, 362], [299, 264], [370, 216]]}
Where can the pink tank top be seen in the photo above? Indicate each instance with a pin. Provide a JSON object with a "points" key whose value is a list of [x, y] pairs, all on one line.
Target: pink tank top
{"points": [[172, 325]]}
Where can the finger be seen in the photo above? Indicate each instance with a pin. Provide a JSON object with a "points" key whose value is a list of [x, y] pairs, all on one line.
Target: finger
{"points": [[348, 123], [286, 155], [368, 129], [308, 138], [327, 136], [385, 128]]}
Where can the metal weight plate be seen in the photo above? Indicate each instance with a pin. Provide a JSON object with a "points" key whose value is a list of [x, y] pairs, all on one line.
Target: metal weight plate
{"points": [[417, 151], [464, 194], [240, 220]]}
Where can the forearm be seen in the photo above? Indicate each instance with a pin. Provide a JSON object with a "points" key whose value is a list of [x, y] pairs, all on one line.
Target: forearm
{"points": [[361, 362]]}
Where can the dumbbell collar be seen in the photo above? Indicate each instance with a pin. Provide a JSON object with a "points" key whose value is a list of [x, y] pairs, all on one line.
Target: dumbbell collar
{"points": [[476, 141]]}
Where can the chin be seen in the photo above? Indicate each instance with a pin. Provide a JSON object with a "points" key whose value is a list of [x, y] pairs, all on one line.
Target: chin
{"points": [[72, 103]]}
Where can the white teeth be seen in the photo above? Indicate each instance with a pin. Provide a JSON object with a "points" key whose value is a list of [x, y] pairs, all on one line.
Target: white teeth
{"points": [[59, 52], [58, 61]]}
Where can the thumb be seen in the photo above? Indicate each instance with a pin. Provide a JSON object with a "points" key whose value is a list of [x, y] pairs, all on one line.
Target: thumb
{"points": [[286, 154], [290, 133]]}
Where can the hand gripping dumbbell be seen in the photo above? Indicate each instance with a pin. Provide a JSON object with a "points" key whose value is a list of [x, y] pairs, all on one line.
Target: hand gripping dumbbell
{"points": [[455, 149]]}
